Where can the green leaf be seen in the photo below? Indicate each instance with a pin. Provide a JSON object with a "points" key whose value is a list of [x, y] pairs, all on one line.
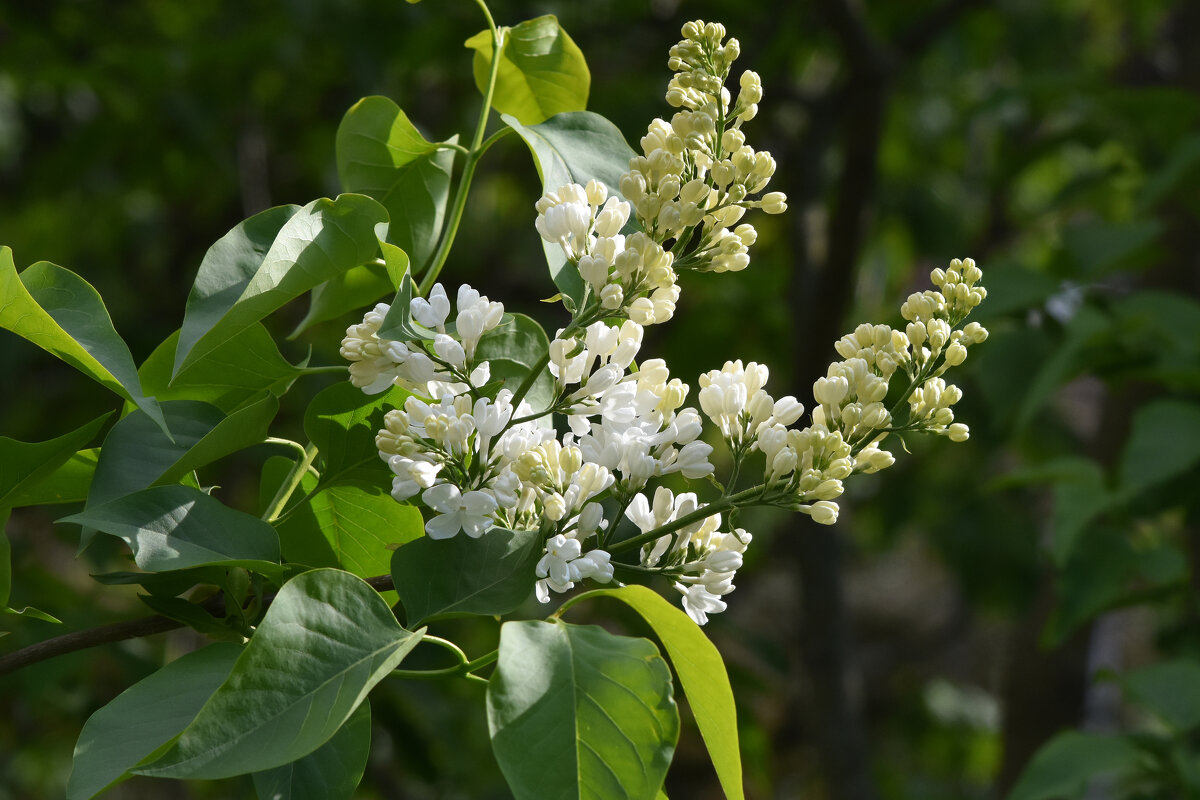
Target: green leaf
{"points": [[574, 147], [241, 280], [162, 705], [360, 286], [1081, 494], [326, 640], [490, 575], [24, 466], [176, 527], [342, 422], [1164, 442], [237, 371], [702, 675], [514, 349], [542, 71], [575, 711], [350, 527], [1067, 361], [67, 483], [381, 154], [5, 560], [1102, 247], [331, 772], [135, 455], [1063, 766], [1170, 690], [62, 314]]}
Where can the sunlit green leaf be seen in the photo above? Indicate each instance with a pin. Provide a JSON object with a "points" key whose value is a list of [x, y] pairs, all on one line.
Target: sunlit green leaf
{"points": [[326, 640], [62, 314], [701, 673], [162, 704], [270, 259], [342, 422], [542, 71], [575, 711], [24, 466], [235, 372], [381, 154], [350, 527], [331, 772], [176, 527], [67, 483], [490, 575]]}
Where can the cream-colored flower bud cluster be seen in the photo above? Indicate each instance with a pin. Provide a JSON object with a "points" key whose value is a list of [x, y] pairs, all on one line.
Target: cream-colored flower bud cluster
{"points": [[733, 397], [696, 175], [934, 315], [627, 276]]}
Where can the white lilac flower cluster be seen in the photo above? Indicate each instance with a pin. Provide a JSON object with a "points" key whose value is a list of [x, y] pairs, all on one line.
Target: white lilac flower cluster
{"points": [[478, 455]]}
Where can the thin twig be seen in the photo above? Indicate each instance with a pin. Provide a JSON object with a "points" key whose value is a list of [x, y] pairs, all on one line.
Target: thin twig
{"points": [[129, 629]]}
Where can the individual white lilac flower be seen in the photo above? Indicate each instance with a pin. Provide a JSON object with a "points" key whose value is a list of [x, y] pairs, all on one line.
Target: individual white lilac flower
{"points": [[560, 551], [596, 564], [471, 512], [432, 312], [449, 350], [698, 602]]}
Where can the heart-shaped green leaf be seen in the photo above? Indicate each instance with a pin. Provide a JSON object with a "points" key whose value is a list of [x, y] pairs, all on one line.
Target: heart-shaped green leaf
{"points": [[381, 154], [575, 711], [542, 71], [342, 422], [490, 575], [326, 640], [61, 313], [515, 348]]}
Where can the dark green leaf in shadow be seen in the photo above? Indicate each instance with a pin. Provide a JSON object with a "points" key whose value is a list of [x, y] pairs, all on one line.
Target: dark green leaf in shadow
{"points": [[1063, 767], [490, 575], [331, 772], [175, 527], [513, 349], [162, 704], [326, 640], [1170, 690]]}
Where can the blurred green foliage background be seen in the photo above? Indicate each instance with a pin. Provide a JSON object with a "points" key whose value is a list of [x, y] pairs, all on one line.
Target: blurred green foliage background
{"points": [[956, 617]]}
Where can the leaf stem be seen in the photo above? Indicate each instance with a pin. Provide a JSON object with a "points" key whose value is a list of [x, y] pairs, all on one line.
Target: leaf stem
{"points": [[473, 155], [275, 509]]}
